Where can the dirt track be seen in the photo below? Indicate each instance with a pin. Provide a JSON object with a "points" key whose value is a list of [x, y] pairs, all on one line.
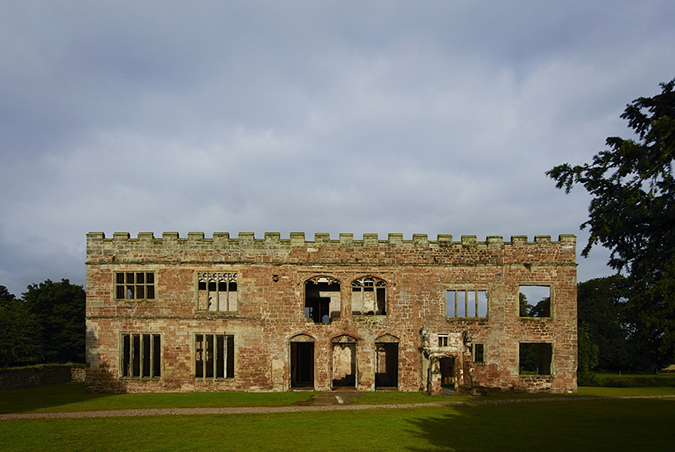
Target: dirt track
{"points": [[289, 409]]}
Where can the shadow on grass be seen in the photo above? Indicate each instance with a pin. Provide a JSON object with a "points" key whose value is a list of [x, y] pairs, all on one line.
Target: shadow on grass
{"points": [[42, 398], [629, 424], [74, 397]]}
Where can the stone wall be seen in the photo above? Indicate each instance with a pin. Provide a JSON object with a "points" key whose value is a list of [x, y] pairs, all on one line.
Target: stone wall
{"points": [[27, 377], [271, 276]]}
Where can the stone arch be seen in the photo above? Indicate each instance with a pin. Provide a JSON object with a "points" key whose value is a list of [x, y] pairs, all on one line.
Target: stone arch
{"points": [[322, 279], [388, 338], [344, 339], [302, 338]]}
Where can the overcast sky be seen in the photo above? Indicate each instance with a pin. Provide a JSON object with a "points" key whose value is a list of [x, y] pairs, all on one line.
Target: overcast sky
{"points": [[435, 117]]}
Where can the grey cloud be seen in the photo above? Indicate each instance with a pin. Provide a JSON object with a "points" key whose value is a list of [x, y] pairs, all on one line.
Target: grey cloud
{"points": [[432, 117]]}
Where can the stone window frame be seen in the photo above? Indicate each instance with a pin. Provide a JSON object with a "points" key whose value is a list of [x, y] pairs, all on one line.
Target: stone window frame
{"points": [[127, 287], [467, 289], [550, 354], [476, 354], [443, 340], [551, 297], [223, 371], [227, 278], [379, 285], [140, 355], [309, 310]]}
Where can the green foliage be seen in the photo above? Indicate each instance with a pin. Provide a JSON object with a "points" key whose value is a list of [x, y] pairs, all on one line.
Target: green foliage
{"points": [[528, 359], [18, 330], [59, 307], [602, 310], [632, 212], [588, 356], [5, 295]]}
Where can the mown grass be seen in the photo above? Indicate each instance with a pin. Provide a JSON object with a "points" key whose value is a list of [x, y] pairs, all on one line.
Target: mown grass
{"points": [[73, 397], [559, 425]]}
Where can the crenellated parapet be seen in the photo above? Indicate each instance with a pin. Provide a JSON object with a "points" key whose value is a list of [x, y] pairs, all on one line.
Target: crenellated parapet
{"points": [[273, 239], [246, 247]]}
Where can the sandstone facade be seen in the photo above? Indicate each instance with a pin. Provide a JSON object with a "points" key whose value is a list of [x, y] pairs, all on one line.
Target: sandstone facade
{"points": [[273, 314]]}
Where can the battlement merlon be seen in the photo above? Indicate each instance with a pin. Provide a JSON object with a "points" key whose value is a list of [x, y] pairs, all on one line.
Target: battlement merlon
{"points": [[121, 243]]}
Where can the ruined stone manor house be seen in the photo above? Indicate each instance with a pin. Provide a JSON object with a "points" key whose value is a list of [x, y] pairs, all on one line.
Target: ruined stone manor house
{"points": [[273, 314]]}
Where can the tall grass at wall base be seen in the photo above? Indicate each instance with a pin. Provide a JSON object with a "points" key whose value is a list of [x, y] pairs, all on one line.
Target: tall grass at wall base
{"points": [[663, 380]]}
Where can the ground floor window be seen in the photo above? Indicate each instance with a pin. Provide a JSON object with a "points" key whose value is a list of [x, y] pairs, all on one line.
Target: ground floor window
{"points": [[214, 356], [479, 353], [535, 358], [141, 355]]}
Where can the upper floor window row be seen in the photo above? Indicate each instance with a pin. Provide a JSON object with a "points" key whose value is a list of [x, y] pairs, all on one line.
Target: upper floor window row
{"points": [[323, 302], [134, 286]]}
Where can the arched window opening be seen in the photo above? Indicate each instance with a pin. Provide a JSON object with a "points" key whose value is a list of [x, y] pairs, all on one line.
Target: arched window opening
{"points": [[322, 299], [369, 296]]}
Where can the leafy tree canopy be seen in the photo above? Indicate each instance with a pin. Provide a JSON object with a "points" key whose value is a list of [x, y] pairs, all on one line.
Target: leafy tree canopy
{"points": [[602, 312], [60, 309], [632, 213], [5, 295], [18, 331]]}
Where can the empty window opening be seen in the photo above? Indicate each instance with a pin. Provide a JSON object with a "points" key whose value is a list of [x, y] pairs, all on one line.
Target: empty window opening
{"points": [[535, 358], [344, 364], [479, 353], [386, 375], [442, 340], [369, 296], [214, 356], [135, 286], [141, 355], [217, 291], [302, 364], [322, 299], [534, 301], [466, 303], [447, 365]]}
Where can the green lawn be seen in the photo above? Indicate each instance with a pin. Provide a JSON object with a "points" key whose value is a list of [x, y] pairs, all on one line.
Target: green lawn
{"points": [[73, 397], [557, 425], [618, 425]]}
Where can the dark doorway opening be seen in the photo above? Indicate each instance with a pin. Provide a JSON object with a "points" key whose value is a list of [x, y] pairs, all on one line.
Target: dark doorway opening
{"points": [[386, 375], [302, 364], [447, 372]]}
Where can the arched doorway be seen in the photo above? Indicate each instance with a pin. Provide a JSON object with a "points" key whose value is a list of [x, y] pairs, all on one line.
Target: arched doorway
{"points": [[302, 361], [344, 361], [386, 359]]}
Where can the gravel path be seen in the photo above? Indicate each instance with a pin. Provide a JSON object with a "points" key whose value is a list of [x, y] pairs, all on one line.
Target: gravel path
{"points": [[290, 409]]}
